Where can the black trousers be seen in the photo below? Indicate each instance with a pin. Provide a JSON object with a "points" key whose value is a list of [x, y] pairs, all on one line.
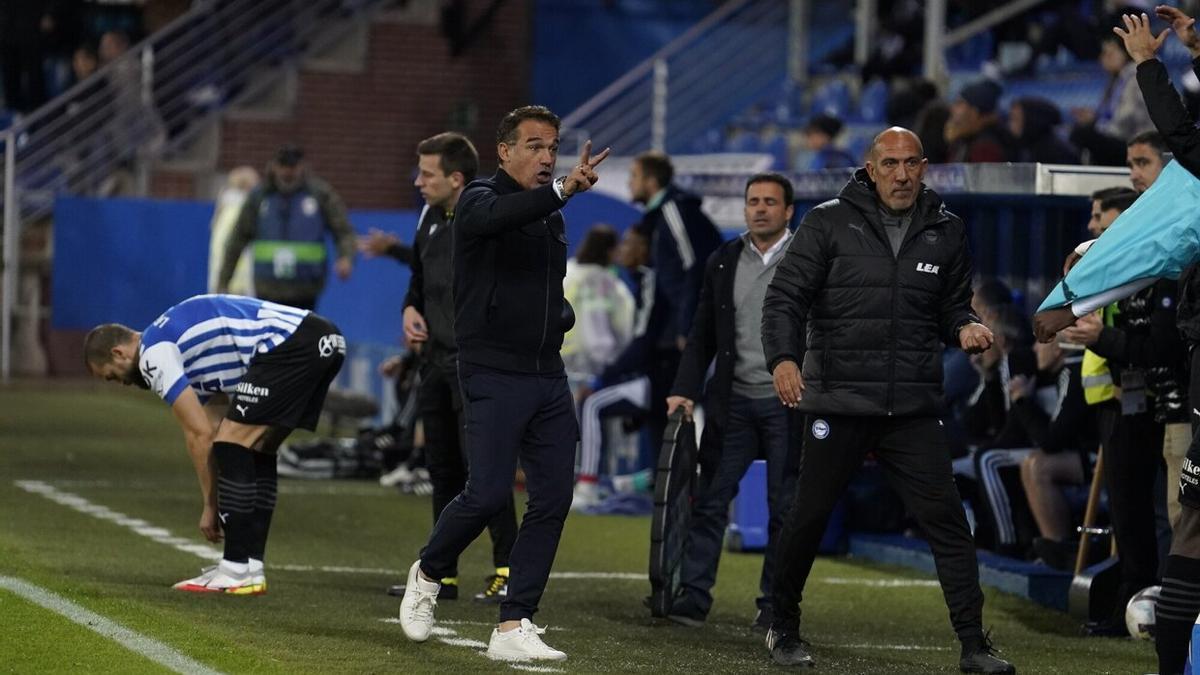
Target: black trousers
{"points": [[916, 459], [1132, 459], [511, 416], [440, 409]]}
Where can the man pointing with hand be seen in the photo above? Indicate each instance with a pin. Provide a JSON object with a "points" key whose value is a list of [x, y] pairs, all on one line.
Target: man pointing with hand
{"points": [[510, 256], [881, 278]]}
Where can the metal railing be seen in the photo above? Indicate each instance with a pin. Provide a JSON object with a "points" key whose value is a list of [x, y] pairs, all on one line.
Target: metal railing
{"points": [[714, 69], [148, 103]]}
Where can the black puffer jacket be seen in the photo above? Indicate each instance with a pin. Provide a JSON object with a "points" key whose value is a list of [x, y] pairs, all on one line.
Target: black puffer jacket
{"points": [[876, 321]]}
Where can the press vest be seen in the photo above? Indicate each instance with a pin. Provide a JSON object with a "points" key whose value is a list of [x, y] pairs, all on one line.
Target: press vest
{"points": [[1094, 373], [290, 245]]}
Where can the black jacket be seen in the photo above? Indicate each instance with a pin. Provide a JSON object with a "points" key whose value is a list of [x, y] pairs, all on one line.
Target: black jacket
{"points": [[875, 321], [714, 335], [430, 286], [681, 240], [1171, 119], [1144, 336], [510, 256]]}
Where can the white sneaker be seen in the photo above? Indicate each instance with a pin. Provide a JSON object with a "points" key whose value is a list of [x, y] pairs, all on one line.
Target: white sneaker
{"points": [[400, 474], [225, 577], [586, 495], [258, 576], [416, 609], [522, 644]]}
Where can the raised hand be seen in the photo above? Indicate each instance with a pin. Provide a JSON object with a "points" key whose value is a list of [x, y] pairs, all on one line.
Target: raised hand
{"points": [[1141, 44], [584, 176], [1183, 25]]}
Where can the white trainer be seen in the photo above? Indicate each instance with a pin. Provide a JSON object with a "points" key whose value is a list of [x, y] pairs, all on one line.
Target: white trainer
{"points": [[522, 644], [258, 576], [416, 609], [225, 577], [585, 496]]}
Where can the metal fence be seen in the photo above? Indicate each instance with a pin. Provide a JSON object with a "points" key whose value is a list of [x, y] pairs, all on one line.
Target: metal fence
{"points": [[717, 67], [148, 103]]}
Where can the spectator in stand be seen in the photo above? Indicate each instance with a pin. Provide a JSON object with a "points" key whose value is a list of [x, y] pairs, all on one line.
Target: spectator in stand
{"points": [[1032, 122], [604, 307], [240, 183], [1062, 426], [287, 218], [908, 97], [974, 133], [1121, 114], [931, 124], [1145, 155], [22, 54], [819, 135], [681, 238]]}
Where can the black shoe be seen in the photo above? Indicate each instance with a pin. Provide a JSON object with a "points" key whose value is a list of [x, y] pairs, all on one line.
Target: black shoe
{"points": [[787, 649], [762, 620], [685, 613], [446, 592], [1059, 555], [1107, 628], [978, 656], [496, 590]]}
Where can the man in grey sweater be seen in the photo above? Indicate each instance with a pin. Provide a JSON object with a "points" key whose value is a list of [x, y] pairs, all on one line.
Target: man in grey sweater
{"points": [[743, 417]]}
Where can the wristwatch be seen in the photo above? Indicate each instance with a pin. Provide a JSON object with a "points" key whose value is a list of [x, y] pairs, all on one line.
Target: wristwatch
{"points": [[560, 189]]}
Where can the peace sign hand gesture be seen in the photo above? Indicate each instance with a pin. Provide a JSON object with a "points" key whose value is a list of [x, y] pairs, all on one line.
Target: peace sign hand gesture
{"points": [[1139, 41], [583, 176]]}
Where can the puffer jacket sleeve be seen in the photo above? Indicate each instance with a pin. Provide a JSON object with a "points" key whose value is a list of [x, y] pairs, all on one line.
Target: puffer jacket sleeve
{"points": [[798, 279], [956, 300]]}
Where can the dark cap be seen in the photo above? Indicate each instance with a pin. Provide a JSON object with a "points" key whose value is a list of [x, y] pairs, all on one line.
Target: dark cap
{"points": [[826, 124], [289, 155], [983, 95]]}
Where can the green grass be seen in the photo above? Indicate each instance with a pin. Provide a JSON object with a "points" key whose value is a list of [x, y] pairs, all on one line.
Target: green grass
{"points": [[120, 448]]}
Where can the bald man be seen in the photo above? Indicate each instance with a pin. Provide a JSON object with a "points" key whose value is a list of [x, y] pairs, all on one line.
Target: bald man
{"points": [[879, 279]]}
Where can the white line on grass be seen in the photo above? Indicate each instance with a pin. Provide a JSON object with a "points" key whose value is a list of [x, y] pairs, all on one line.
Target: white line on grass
{"points": [[536, 669], [463, 622], [880, 583], [136, 642], [901, 648], [212, 554], [448, 636]]}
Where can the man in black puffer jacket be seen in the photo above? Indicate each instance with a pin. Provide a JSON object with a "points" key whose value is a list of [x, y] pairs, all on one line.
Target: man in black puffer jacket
{"points": [[881, 278]]}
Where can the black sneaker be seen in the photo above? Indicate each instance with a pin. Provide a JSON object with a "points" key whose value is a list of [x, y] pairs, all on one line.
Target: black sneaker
{"points": [[979, 656], [496, 590], [762, 620], [446, 592], [685, 613], [787, 649]]}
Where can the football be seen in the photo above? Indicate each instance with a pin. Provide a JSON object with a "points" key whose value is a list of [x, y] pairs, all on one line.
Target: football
{"points": [[1139, 613]]}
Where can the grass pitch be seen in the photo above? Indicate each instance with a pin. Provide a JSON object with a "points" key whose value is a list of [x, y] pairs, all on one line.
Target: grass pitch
{"points": [[119, 450]]}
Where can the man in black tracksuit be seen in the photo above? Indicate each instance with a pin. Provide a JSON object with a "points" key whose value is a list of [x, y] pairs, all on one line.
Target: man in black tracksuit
{"points": [[447, 162], [881, 278], [510, 256]]}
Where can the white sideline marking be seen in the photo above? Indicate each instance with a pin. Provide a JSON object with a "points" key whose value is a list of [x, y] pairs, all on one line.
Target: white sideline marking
{"points": [[164, 536], [902, 648], [136, 642], [463, 622], [213, 554], [463, 642], [599, 575], [536, 669], [880, 583], [360, 490]]}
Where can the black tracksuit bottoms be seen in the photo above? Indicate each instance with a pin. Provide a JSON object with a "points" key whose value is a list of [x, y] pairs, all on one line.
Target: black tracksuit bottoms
{"points": [[916, 459], [510, 416], [441, 412]]}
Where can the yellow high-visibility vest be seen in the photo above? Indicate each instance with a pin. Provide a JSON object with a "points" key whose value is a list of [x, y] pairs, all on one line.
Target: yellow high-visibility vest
{"points": [[1097, 379]]}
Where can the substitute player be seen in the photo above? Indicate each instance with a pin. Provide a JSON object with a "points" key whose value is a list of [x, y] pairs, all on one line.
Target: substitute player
{"points": [[273, 362]]}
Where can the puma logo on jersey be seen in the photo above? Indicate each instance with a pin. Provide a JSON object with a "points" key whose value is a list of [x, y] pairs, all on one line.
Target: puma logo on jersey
{"points": [[927, 268], [857, 227], [223, 516], [242, 409]]}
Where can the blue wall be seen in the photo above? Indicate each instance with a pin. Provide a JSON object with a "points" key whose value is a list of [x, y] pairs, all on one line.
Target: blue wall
{"points": [[126, 260], [582, 46]]}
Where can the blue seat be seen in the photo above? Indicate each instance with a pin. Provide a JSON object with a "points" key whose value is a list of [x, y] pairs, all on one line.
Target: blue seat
{"points": [[872, 103]]}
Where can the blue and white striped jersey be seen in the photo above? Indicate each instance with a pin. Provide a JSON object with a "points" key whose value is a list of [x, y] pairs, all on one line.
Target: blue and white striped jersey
{"points": [[206, 342]]}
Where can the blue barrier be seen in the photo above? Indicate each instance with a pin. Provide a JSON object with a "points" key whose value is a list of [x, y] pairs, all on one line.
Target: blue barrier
{"points": [[748, 516]]}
